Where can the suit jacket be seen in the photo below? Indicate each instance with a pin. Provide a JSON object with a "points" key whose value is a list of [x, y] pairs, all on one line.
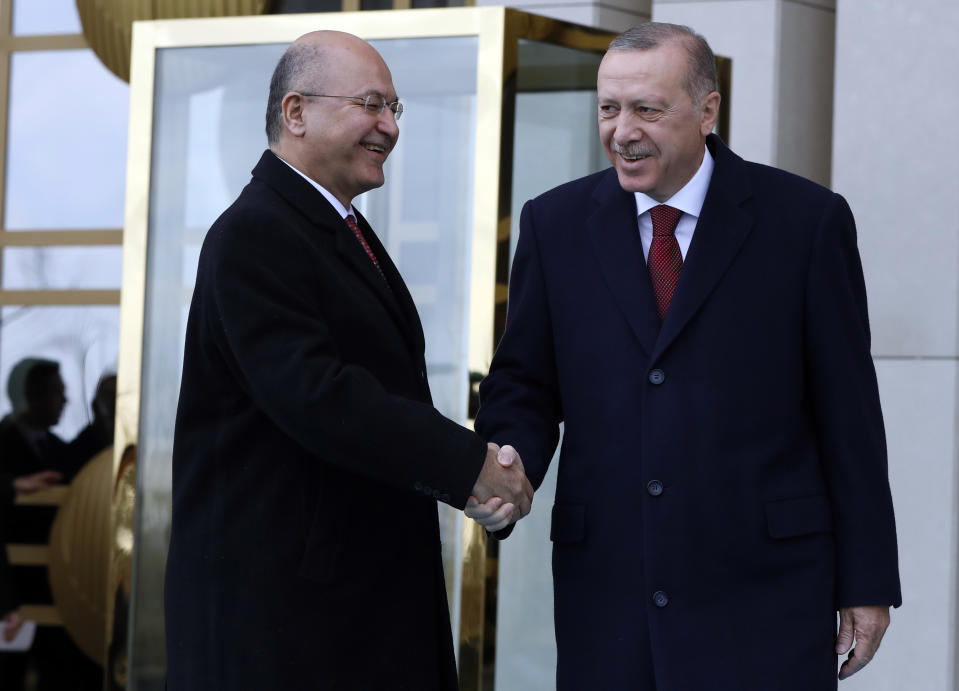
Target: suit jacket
{"points": [[722, 485], [307, 462]]}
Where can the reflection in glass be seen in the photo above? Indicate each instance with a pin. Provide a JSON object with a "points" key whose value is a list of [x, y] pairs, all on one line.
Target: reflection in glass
{"points": [[84, 340], [66, 142], [208, 134], [32, 17], [62, 268]]}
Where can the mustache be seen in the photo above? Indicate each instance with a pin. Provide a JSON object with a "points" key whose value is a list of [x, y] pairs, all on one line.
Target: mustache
{"points": [[632, 149]]}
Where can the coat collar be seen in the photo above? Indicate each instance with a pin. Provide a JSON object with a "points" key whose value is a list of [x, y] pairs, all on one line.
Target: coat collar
{"points": [[614, 233], [722, 228], [302, 196], [720, 231]]}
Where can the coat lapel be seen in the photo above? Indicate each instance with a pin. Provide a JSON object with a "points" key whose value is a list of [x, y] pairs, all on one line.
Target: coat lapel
{"points": [[614, 235], [392, 293], [396, 293], [720, 232]]}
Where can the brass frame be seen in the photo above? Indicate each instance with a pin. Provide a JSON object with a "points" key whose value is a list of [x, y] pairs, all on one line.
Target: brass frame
{"points": [[499, 31]]}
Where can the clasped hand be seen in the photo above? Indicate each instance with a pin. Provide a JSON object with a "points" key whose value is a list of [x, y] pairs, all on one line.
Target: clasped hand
{"points": [[502, 494]]}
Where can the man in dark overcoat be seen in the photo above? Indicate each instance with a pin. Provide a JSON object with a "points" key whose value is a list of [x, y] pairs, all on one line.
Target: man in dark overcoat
{"points": [[699, 323], [308, 459]]}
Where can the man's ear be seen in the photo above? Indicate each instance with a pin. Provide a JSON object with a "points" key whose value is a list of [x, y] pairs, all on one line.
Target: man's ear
{"points": [[292, 108], [710, 112]]}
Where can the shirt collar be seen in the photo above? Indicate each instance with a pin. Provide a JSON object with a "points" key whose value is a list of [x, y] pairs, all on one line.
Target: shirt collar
{"points": [[690, 198], [340, 209]]}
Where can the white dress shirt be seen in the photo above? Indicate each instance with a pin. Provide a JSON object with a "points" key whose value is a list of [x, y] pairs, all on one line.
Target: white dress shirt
{"points": [[340, 209], [689, 200]]}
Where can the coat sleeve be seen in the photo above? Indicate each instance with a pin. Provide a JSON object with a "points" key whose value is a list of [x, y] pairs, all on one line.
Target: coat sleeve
{"points": [[277, 338], [848, 418], [519, 398]]}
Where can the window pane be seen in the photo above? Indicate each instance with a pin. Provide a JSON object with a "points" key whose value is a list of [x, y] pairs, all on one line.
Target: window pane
{"points": [[82, 339], [60, 268], [45, 17], [67, 142]]}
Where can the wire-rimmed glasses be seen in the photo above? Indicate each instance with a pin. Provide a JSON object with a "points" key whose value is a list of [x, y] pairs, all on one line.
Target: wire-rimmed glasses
{"points": [[374, 103]]}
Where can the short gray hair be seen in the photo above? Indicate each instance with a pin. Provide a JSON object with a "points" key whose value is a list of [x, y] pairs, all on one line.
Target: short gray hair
{"points": [[700, 78], [298, 59]]}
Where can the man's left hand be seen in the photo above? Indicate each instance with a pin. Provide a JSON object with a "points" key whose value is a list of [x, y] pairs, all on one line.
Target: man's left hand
{"points": [[36, 481], [867, 625]]}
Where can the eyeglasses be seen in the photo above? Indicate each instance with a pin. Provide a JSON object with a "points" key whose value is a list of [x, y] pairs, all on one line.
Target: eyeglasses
{"points": [[373, 103]]}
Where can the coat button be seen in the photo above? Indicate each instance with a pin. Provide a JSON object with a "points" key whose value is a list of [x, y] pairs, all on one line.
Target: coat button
{"points": [[418, 486], [660, 599], [657, 377], [445, 498], [654, 487], [423, 374], [427, 490]]}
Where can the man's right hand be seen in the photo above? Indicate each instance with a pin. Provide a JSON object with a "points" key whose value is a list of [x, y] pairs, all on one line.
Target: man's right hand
{"points": [[502, 494], [36, 481]]}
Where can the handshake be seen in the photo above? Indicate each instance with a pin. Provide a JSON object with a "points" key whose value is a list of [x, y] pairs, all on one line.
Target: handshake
{"points": [[502, 495]]}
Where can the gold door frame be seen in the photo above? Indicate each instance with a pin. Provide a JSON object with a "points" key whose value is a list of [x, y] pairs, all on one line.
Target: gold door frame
{"points": [[499, 31]]}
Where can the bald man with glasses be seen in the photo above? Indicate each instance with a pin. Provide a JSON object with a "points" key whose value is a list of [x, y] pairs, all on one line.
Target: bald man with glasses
{"points": [[308, 458]]}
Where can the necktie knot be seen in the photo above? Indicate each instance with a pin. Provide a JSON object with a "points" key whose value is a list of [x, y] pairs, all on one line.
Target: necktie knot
{"points": [[665, 219]]}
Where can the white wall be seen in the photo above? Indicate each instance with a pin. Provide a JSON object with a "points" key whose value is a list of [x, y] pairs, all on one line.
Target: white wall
{"points": [[782, 76], [896, 159]]}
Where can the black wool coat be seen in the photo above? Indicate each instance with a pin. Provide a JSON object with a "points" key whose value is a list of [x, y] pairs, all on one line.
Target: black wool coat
{"points": [[307, 462]]}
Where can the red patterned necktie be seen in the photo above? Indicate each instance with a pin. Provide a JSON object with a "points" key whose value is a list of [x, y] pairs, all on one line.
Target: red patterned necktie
{"points": [[351, 222], [665, 260]]}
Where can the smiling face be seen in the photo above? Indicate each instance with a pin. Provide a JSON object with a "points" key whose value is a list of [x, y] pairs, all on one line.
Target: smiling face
{"points": [[652, 131], [333, 140]]}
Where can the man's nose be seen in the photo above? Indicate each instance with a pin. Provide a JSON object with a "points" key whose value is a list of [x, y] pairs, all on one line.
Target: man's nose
{"points": [[386, 123], [628, 129]]}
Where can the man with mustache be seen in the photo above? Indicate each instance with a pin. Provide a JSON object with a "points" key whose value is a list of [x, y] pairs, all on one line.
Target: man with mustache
{"points": [[699, 323], [308, 458]]}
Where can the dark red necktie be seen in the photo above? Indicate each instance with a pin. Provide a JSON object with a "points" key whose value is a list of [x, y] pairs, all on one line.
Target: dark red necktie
{"points": [[665, 260], [351, 222]]}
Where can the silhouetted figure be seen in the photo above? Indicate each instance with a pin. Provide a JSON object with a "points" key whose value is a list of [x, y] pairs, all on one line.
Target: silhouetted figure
{"points": [[28, 447], [98, 435], [26, 443], [9, 601]]}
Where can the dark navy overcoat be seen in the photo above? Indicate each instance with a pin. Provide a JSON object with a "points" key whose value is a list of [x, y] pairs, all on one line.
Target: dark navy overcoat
{"points": [[722, 486]]}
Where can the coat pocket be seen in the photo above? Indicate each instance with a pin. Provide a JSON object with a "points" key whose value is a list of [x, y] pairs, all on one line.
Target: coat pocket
{"points": [[568, 523], [800, 516]]}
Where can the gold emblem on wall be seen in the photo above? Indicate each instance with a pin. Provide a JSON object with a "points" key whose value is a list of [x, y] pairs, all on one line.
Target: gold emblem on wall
{"points": [[80, 555], [108, 24]]}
